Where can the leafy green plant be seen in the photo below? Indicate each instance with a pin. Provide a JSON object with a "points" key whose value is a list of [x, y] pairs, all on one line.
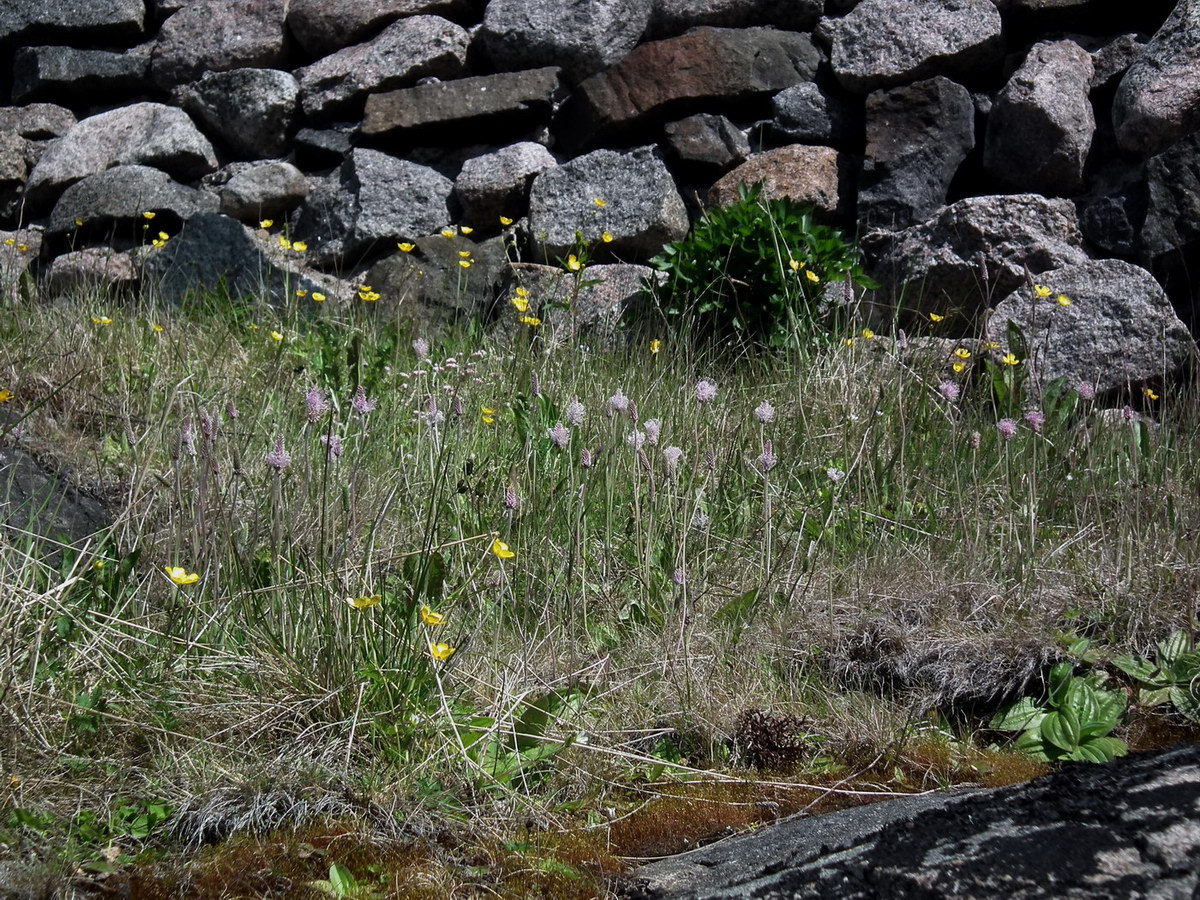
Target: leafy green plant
{"points": [[755, 268], [342, 883], [1072, 723], [1173, 676]]}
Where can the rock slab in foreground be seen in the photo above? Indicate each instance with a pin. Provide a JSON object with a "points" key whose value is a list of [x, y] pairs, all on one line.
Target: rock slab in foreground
{"points": [[1127, 829]]}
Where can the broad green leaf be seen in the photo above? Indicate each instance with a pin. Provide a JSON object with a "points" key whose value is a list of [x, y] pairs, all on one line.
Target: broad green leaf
{"points": [[1060, 680], [1175, 646], [1135, 667], [342, 879], [1032, 744], [1061, 728], [1080, 698], [1021, 715], [1186, 701]]}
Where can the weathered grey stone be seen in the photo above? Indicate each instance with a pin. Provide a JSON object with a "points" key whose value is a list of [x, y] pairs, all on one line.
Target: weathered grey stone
{"points": [[323, 148], [39, 502], [405, 51], [1040, 129], [580, 36], [671, 17], [642, 207], [806, 174], [373, 200], [972, 251], [37, 121], [1172, 223], [323, 26], [917, 137], [24, 21], [17, 258], [497, 184], [148, 134], [503, 102], [252, 111], [711, 144], [805, 114], [65, 72], [882, 43], [430, 287], [665, 79], [1119, 331], [1111, 57], [1130, 828], [214, 253], [261, 190], [14, 151], [91, 269], [591, 312], [1158, 100], [118, 197], [218, 35]]}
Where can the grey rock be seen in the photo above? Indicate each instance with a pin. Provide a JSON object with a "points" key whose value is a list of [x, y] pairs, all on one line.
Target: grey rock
{"points": [[972, 251], [44, 503], [148, 134], [807, 174], [65, 72], [218, 35], [882, 43], [322, 148], [1111, 57], [497, 184], [580, 36], [1112, 221], [806, 114], [323, 26], [594, 311], [1130, 828], [1041, 126], [1158, 100], [503, 102], [711, 144], [643, 209], [671, 17], [1172, 223], [917, 137], [37, 121], [373, 200], [91, 269], [252, 111], [117, 197], [405, 51], [661, 80], [262, 190], [95, 20], [14, 151], [17, 258], [432, 290], [1119, 331]]}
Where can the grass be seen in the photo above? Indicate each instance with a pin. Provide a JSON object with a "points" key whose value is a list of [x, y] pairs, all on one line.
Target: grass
{"points": [[847, 616]]}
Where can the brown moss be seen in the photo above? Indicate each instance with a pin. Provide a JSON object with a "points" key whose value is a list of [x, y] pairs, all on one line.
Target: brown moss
{"points": [[1155, 728]]}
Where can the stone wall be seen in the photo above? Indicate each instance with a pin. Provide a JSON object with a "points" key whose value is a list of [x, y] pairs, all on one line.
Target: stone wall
{"points": [[970, 143]]}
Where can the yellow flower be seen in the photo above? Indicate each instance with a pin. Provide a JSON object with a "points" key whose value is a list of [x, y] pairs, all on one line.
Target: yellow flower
{"points": [[532, 321], [501, 549], [301, 293], [521, 304], [1063, 300], [158, 328], [505, 221], [101, 320], [962, 353], [795, 264], [299, 246], [406, 246], [600, 202], [849, 342], [22, 248], [163, 236], [78, 222], [180, 575], [1040, 290], [465, 254], [1150, 395], [448, 232], [868, 334], [655, 346], [266, 223], [441, 652], [429, 617], [991, 345], [252, 327], [959, 367], [607, 237], [934, 317], [366, 295], [276, 336], [488, 420], [487, 410], [10, 241], [522, 292], [364, 602], [98, 564], [1010, 360], [148, 215], [284, 242], [5, 395], [812, 276], [158, 243], [318, 297], [573, 263], [465, 263]]}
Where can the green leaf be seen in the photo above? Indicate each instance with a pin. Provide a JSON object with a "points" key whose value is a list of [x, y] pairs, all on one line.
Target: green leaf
{"points": [[1175, 646], [1081, 699], [1032, 744], [1186, 701], [1100, 750], [1025, 713], [1060, 680], [1137, 668], [342, 880], [1061, 728]]}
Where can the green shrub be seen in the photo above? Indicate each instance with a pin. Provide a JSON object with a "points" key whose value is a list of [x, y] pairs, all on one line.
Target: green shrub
{"points": [[756, 269]]}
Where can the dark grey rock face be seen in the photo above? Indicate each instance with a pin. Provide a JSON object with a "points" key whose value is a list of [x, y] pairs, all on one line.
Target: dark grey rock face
{"points": [[44, 503], [706, 143], [1158, 101], [218, 35], [497, 184], [118, 197], [251, 111], [59, 72], [671, 17], [580, 36], [1173, 191], [882, 43], [1040, 129], [917, 137], [806, 114], [1089, 832], [323, 26], [21, 20], [90, 269], [251, 192], [36, 121]]}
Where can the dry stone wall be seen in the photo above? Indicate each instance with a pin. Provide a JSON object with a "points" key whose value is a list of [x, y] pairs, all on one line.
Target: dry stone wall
{"points": [[971, 144]]}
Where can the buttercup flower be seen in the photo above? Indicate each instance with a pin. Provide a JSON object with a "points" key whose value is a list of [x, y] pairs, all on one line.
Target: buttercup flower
{"points": [[962, 353], [406, 247], [148, 215], [1041, 291], [5, 395], [465, 263], [299, 246], [431, 618], [607, 237], [365, 602], [1149, 393], [1010, 360], [868, 334], [794, 265], [1063, 300], [501, 549], [600, 202], [573, 263], [531, 321], [101, 320], [934, 317], [301, 293], [521, 304], [276, 336], [505, 221], [266, 223], [812, 276], [655, 346], [180, 575], [466, 229], [448, 232], [284, 242], [318, 297], [441, 652]]}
